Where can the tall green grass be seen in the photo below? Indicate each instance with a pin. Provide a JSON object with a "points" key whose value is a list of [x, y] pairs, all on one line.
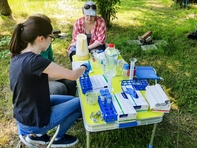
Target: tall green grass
{"points": [[175, 61]]}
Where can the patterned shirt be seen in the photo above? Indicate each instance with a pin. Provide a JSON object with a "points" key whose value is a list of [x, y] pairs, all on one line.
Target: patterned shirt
{"points": [[98, 33]]}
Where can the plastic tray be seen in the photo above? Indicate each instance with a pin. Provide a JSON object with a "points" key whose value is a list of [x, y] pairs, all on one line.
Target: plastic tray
{"points": [[135, 83], [86, 84], [108, 110], [146, 72]]}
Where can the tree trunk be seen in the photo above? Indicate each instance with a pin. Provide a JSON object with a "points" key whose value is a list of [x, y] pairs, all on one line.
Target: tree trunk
{"points": [[5, 8]]}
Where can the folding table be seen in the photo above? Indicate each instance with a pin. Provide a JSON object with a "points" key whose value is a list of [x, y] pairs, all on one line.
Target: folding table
{"points": [[143, 118]]}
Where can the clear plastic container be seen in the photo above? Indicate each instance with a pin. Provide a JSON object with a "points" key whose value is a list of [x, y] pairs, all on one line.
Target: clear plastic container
{"points": [[119, 67], [125, 70], [110, 61], [92, 97], [110, 64]]}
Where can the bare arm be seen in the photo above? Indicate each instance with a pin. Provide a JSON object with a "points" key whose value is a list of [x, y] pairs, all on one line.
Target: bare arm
{"points": [[94, 45], [56, 72]]}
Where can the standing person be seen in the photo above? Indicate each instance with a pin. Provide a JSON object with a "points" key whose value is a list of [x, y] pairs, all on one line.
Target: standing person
{"points": [[35, 110], [62, 86], [92, 26]]}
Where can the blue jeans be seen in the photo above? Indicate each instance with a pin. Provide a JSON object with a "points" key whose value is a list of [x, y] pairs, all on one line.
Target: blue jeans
{"points": [[63, 87], [65, 110]]}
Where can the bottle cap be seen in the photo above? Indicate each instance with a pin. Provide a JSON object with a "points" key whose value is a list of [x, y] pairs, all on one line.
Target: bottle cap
{"points": [[111, 45], [101, 91], [126, 66]]}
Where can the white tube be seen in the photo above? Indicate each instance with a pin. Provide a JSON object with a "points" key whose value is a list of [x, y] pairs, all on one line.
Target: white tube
{"points": [[132, 65]]}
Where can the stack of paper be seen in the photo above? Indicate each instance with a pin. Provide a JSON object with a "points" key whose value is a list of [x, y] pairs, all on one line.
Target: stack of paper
{"points": [[157, 98]]}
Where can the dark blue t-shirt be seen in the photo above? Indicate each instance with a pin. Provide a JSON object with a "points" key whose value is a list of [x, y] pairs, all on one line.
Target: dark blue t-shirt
{"points": [[30, 89]]}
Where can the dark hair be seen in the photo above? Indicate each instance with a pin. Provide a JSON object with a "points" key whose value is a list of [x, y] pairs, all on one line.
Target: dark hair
{"points": [[27, 32], [43, 16]]}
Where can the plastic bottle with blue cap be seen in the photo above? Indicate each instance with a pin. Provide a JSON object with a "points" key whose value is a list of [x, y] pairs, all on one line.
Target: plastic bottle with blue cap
{"points": [[125, 71]]}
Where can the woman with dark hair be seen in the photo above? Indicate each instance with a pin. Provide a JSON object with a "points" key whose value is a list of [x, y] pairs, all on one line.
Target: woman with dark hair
{"points": [[34, 109], [62, 86]]}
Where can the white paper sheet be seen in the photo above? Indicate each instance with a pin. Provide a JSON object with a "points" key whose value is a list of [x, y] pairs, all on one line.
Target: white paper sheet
{"points": [[98, 82], [77, 64]]}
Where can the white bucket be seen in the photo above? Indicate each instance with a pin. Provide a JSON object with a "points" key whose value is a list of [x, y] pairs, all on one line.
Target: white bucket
{"points": [[82, 52]]}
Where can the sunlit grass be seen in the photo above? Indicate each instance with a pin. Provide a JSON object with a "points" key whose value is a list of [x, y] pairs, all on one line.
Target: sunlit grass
{"points": [[174, 61]]}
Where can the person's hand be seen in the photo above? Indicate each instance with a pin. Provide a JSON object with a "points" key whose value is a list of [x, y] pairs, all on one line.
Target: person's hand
{"points": [[87, 65]]}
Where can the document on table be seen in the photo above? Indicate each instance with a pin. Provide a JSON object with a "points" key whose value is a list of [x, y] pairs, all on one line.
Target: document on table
{"points": [[157, 98], [98, 82], [77, 64]]}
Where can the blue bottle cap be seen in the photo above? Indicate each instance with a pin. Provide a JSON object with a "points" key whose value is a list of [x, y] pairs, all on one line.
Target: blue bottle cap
{"points": [[126, 66], [106, 90], [109, 96], [102, 93]]}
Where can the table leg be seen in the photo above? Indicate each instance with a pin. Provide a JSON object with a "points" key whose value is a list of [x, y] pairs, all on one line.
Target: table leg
{"points": [[88, 139], [152, 136]]}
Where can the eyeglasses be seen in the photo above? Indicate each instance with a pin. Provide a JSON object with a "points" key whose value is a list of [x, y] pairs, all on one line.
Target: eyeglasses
{"points": [[52, 38], [88, 7]]}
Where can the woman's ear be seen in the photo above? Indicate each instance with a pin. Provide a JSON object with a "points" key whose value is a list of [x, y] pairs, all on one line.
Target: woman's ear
{"points": [[40, 38]]}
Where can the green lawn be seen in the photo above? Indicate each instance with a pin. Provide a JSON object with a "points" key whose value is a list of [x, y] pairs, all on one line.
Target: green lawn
{"points": [[175, 61]]}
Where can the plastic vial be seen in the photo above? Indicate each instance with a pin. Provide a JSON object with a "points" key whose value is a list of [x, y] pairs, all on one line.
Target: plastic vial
{"points": [[109, 99], [102, 95], [101, 91], [125, 70], [107, 92]]}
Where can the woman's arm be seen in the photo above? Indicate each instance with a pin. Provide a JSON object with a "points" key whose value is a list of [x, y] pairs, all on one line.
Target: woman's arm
{"points": [[56, 72], [94, 45]]}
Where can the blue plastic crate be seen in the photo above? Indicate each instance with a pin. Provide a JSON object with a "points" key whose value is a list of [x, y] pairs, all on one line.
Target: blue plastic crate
{"points": [[146, 72], [108, 110], [136, 84], [86, 84]]}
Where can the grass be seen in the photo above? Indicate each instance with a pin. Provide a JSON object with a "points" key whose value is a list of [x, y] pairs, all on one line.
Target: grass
{"points": [[175, 61]]}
